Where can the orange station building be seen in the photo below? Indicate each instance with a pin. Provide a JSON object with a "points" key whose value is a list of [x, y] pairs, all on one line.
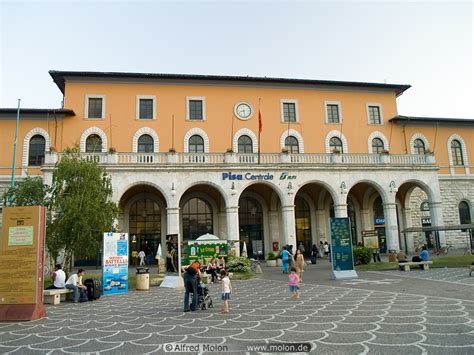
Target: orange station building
{"points": [[266, 161]]}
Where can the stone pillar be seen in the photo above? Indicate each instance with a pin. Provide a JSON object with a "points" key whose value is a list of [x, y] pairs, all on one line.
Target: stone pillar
{"points": [[289, 229], [233, 235], [274, 230], [340, 210], [391, 228], [436, 211], [365, 220], [407, 238], [321, 225]]}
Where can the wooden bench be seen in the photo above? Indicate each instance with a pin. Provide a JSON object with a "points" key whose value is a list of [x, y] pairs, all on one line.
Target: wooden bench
{"points": [[54, 296], [406, 266]]}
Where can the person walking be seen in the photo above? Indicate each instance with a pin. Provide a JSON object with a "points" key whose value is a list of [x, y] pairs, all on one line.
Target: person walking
{"points": [[299, 264], [284, 260], [226, 288], [142, 256], [326, 249], [314, 254], [293, 282], [376, 255]]}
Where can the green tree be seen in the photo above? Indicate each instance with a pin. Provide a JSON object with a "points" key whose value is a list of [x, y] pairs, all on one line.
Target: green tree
{"points": [[80, 208], [29, 192]]}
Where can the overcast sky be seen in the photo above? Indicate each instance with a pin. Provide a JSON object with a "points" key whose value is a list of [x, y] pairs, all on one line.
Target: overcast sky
{"points": [[427, 44]]}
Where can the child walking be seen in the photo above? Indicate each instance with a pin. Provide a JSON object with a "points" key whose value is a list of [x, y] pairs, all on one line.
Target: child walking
{"points": [[293, 282], [226, 291]]}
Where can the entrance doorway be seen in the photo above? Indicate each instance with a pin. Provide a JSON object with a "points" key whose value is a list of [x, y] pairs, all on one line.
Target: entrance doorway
{"points": [[251, 227]]}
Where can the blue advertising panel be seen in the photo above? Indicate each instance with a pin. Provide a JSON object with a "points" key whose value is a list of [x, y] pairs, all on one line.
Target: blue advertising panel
{"points": [[341, 244], [115, 263]]}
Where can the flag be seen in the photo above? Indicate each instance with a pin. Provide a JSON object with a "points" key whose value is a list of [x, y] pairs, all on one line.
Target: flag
{"points": [[260, 124]]}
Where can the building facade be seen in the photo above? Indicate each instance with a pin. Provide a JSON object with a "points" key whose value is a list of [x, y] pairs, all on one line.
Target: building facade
{"points": [[257, 160]]}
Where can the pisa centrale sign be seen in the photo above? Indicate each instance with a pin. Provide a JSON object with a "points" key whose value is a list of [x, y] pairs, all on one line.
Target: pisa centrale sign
{"points": [[22, 248]]}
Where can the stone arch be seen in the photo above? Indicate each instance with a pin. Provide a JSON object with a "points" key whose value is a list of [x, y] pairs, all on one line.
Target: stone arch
{"points": [[296, 134], [244, 132], [199, 132], [145, 130], [88, 132], [337, 134], [379, 135], [26, 142], [418, 136]]}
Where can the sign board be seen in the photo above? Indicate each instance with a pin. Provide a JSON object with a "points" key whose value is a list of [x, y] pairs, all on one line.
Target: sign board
{"points": [[341, 249], [115, 263], [22, 250], [205, 251]]}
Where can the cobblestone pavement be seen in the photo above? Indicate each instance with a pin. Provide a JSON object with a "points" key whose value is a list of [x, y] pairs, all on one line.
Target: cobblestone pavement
{"points": [[450, 275], [336, 318]]}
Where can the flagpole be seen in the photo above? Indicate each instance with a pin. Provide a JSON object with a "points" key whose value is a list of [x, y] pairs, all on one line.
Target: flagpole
{"points": [[172, 132], [14, 144], [259, 128], [232, 132]]}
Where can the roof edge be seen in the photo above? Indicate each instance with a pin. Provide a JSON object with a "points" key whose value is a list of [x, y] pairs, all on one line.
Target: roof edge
{"points": [[418, 119], [59, 78]]}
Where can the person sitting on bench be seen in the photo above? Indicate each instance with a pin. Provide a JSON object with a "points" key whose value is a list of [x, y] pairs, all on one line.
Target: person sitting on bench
{"points": [[74, 283], [59, 278]]}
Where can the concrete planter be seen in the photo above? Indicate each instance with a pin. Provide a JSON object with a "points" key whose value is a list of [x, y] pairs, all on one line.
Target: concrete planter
{"points": [[272, 263], [279, 262]]}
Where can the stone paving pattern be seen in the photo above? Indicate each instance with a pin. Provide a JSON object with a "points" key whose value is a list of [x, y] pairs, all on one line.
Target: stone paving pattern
{"points": [[336, 318]]}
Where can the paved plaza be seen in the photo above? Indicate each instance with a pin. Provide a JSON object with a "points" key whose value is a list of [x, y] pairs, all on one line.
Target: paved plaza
{"points": [[379, 313]]}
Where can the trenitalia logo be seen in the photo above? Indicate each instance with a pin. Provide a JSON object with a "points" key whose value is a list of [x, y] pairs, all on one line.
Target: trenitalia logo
{"points": [[247, 176]]}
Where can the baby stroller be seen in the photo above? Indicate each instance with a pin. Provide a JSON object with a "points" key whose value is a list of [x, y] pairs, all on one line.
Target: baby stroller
{"points": [[204, 299]]}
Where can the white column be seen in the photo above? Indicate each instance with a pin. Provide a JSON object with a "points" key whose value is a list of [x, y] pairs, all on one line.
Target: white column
{"points": [[273, 230], [289, 229], [391, 228], [233, 235], [340, 210], [437, 220], [321, 225], [407, 238]]}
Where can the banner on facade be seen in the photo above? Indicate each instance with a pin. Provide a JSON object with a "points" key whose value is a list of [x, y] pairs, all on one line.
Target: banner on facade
{"points": [[341, 249], [115, 263], [22, 248]]}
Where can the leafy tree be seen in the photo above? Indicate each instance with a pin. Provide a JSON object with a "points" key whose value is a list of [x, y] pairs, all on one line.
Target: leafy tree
{"points": [[80, 207], [29, 192]]}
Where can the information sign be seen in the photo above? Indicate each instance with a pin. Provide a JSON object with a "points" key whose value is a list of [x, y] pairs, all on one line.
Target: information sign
{"points": [[115, 263], [341, 248], [22, 248]]}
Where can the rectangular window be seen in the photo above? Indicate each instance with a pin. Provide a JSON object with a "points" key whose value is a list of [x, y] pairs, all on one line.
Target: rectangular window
{"points": [[289, 112], [146, 109], [95, 107], [332, 113], [195, 110], [374, 115]]}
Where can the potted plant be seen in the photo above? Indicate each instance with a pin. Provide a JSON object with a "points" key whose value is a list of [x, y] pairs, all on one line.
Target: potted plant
{"points": [[52, 149], [229, 150], [271, 259], [112, 150], [284, 151], [172, 150]]}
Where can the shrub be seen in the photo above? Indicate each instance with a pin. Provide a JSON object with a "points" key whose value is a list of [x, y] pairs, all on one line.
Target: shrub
{"points": [[238, 264], [271, 256], [362, 255]]}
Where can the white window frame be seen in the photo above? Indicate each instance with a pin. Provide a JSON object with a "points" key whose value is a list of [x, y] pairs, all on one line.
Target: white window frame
{"points": [[86, 106], [282, 113], [137, 103], [380, 112], [339, 108], [199, 98]]}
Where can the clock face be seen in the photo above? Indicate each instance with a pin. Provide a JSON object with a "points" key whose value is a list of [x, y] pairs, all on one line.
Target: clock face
{"points": [[243, 110]]}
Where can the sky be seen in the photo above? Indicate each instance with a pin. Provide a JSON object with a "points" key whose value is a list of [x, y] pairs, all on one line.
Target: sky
{"points": [[426, 44]]}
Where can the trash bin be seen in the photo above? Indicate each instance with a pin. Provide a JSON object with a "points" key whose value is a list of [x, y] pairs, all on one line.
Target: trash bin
{"points": [[143, 279], [392, 257]]}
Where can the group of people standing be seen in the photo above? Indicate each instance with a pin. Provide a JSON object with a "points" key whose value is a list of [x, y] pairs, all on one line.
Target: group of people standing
{"points": [[292, 259]]}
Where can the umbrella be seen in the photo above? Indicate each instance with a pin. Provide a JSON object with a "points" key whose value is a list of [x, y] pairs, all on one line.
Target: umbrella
{"points": [[158, 252], [244, 250]]}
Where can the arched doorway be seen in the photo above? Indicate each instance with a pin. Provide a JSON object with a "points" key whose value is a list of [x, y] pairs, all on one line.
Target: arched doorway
{"points": [[251, 226], [197, 218], [303, 223], [145, 227]]}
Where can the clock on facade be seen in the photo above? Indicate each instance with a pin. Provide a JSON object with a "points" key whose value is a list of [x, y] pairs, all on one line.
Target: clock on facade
{"points": [[243, 110]]}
